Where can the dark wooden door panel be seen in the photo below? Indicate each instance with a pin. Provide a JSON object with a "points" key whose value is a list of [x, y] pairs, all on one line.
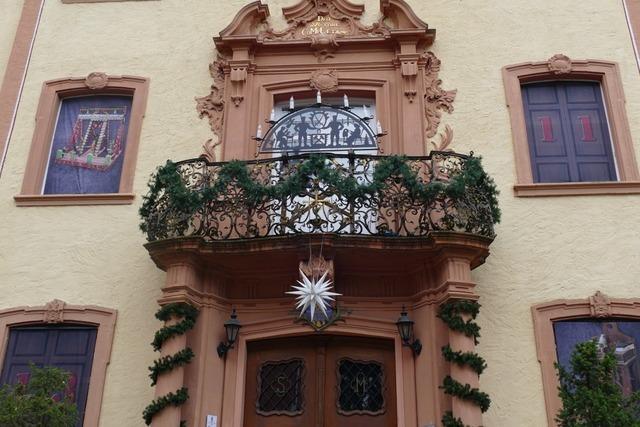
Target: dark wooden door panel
{"points": [[343, 381]]}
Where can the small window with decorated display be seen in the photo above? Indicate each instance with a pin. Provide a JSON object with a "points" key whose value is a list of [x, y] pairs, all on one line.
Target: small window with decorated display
{"points": [[88, 145]]}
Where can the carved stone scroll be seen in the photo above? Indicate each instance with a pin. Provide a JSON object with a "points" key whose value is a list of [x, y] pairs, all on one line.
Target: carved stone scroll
{"points": [[53, 311], [446, 139], [209, 148], [600, 305], [436, 99], [560, 64], [212, 105]]}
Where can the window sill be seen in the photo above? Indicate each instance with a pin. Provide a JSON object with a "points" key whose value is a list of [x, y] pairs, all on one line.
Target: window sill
{"points": [[73, 199], [577, 188]]}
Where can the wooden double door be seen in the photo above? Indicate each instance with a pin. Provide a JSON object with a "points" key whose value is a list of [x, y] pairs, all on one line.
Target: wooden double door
{"points": [[320, 381]]}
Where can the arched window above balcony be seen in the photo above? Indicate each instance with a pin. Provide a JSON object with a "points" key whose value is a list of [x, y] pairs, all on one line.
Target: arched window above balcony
{"points": [[320, 127]]}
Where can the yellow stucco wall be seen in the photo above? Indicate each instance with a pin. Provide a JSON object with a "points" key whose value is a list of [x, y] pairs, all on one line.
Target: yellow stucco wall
{"points": [[546, 248], [8, 24]]}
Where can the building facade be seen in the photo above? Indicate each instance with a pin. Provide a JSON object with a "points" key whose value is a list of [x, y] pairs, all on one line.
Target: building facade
{"points": [[311, 140]]}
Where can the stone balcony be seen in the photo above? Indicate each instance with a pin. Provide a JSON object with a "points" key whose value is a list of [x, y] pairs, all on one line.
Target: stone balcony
{"points": [[384, 214]]}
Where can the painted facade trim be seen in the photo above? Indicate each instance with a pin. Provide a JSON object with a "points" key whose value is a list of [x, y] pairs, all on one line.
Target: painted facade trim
{"points": [[632, 12], [16, 71]]}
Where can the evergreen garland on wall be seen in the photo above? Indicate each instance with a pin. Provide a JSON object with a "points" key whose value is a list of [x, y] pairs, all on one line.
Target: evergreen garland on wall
{"points": [[451, 314], [188, 314]]}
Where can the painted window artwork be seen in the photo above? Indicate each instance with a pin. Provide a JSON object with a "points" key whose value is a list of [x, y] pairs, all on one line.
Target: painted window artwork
{"points": [[620, 337], [89, 141]]}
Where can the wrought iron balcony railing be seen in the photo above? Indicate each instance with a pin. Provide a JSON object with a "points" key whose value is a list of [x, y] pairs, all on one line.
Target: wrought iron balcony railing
{"points": [[343, 194]]}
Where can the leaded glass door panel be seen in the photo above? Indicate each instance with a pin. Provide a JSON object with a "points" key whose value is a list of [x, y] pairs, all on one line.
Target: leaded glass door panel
{"points": [[280, 384], [361, 378], [320, 381]]}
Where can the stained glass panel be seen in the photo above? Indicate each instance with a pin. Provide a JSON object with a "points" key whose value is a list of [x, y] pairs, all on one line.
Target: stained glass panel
{"points": [[361, 386], [280, 386]]}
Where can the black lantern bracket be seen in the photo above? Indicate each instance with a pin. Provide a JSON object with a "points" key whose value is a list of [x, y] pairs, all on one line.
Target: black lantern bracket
{"points": [[405, 329], [231, 328]]}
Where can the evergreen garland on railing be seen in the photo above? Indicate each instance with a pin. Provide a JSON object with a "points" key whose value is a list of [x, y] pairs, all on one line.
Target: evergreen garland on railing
{"points": [[188, 315], [168, 182], [451, 314]]}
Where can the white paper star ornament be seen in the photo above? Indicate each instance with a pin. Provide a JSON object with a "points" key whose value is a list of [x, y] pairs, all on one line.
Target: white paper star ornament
{"points": [[312, 294]]}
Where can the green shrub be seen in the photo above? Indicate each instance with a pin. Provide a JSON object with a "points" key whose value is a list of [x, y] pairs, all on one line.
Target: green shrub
{"points": [[38, 402], [589, 394]]}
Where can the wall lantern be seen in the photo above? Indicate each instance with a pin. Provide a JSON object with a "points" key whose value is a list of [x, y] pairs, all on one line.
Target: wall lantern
{"points": [[405, 329], [231, 327]]}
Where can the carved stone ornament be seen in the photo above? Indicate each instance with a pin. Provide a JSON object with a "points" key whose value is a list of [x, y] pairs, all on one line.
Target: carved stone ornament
{"points": [[324, 80], [337, 18], [209, 148], [600, 305], [212, 105], [96, 80], [316, 266], [446, 139], [238, 77], [409, 71], [324, 45], [560, 64], [53, 311], [436, 99]]}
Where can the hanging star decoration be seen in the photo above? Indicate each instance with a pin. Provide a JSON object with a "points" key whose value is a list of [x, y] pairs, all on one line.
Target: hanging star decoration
{"points": [[312, 294]]}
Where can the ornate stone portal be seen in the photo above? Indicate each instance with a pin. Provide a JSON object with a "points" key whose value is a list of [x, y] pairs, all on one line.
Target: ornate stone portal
{"points": [[251, 54]]}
